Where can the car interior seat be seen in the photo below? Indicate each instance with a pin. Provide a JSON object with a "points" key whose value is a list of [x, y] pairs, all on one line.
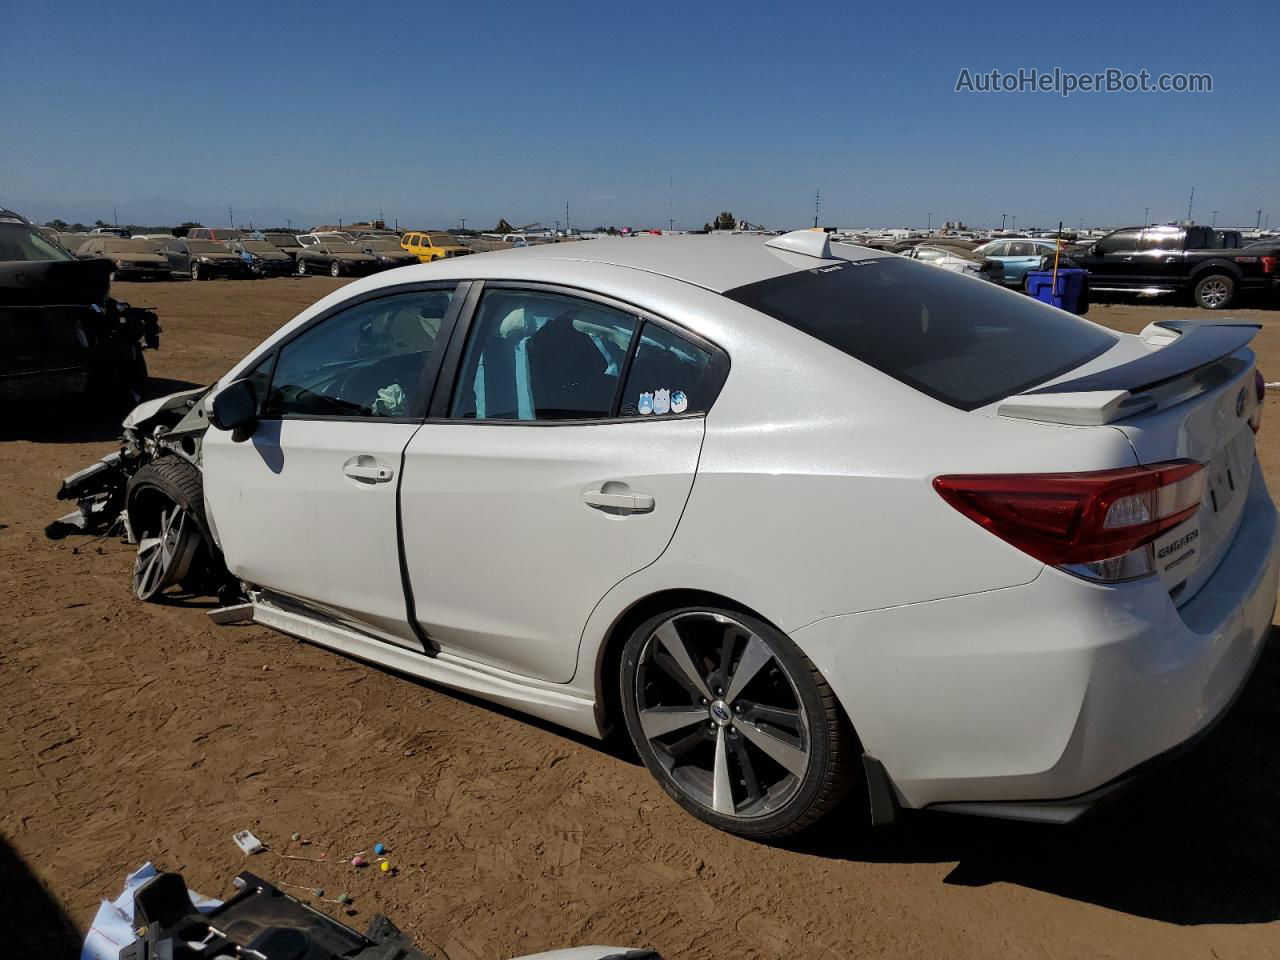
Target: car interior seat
{"points": [[568, 373]]}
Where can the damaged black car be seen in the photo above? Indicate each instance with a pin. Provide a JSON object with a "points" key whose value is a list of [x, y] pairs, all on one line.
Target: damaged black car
{"points": [[61, 335]]}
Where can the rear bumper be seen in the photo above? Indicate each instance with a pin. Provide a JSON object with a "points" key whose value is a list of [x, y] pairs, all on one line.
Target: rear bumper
{"points": [[1036, 701]]}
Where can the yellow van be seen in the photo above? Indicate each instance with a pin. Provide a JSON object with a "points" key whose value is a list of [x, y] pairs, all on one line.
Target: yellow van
{"points": [[432, 246]]}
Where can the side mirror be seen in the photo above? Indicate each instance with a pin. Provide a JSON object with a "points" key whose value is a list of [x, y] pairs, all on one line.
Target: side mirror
{"points": [[235, 408]]}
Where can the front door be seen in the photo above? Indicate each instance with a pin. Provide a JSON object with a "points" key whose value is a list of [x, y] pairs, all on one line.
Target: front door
{"points": [[1113, 261], [306, 506], [560, 465]]}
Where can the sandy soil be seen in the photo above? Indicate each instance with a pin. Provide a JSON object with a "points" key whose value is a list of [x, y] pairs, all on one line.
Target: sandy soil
{"points": [[135, 732]]}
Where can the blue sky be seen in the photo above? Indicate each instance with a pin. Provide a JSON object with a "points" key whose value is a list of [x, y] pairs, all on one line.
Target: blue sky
{"points": [[633, 113]]}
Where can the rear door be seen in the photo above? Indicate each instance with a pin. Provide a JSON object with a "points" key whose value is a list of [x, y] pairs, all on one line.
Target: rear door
{"points": [[1022, 255], [557, 463], [307, 506], [1160, 255]]}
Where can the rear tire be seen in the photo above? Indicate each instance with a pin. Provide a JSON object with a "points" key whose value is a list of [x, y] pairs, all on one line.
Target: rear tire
{"points": [[1215, 291], [302, 267], [335, 269], [735, 722], [165, 504]]}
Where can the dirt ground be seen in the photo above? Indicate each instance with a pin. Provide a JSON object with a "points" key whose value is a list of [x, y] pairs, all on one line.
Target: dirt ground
{"points": [[135, 732]]}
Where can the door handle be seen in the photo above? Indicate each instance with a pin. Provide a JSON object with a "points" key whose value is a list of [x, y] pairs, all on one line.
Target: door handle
{"points": [[1127, 259], [365, 471], [625, 502]]}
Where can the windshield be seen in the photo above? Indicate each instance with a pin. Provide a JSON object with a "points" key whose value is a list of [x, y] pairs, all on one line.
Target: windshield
{"points": [[387, 245], [334, 246], [206, 246], [959, 340], [128, 246], [959, 252], [283, 240], [258, 246], [21, 242]]}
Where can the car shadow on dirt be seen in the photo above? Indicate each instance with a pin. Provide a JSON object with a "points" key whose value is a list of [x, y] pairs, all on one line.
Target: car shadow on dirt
{"points": [[32, 922], [76, 421], [1199, 842]]}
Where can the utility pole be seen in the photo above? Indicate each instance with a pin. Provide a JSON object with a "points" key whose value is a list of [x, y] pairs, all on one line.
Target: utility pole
{"points": [[1014, 225], [231, 219], [1255, 226], [817, 205], [928, 221], [1191, 202], [1146, 216], [115, 217], [567, 231], [671, 224], [1002, 219], [464, 223], [1082, 224], [288, 223], [1214, 221]]}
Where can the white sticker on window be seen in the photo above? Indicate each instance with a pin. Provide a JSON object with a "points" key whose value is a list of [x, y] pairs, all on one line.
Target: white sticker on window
{"points": [[662, 401], [646, 403], [679, 402]]}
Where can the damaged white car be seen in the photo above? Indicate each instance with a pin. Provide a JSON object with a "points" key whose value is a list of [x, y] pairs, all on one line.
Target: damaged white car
{"points": [[803, 517]]}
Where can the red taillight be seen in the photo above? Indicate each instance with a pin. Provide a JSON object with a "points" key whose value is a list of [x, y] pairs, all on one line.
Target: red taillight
{"points": [[1079, 518], [1269, 264]]}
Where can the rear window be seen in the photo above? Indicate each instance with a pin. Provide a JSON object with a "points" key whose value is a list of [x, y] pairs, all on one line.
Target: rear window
{"points": [[963, 341]]}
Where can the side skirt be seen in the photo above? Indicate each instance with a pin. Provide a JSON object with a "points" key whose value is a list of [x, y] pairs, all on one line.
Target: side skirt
{"points": [[566, 710]]}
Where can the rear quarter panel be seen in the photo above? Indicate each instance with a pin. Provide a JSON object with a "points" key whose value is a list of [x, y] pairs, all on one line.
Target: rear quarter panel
{"points": [[814, 493]]}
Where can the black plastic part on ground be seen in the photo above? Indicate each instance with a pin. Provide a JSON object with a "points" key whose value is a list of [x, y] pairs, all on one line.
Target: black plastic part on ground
{"points": [[259, 918]]}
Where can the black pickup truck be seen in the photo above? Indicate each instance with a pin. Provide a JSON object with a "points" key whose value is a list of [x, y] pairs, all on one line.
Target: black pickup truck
{"points": [[1209, 264]]}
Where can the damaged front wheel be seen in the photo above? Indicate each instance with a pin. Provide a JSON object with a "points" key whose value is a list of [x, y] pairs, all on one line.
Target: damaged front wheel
{"points": [[166, 515]]}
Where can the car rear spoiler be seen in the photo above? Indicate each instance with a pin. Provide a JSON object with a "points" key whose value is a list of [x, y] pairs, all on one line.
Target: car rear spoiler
{"points": [[1191, 357]]}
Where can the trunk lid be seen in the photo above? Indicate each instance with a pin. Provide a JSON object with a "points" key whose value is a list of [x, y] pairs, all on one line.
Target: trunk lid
{"points": [[1181, 390]]}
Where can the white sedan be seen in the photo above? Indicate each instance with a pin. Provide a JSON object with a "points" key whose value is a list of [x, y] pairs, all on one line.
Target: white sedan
{"points": [[802, 517]]}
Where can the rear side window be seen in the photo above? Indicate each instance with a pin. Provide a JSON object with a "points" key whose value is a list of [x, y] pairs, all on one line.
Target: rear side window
{"points": [[669, 375], [1162, 240], [963, 341]]}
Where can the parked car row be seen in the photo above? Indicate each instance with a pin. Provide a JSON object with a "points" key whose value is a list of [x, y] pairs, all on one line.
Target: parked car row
{"points": [[208, 252]]}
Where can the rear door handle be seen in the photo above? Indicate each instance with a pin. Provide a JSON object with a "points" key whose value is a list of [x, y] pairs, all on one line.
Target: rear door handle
{"points": [[366, 470], [622, 502]]}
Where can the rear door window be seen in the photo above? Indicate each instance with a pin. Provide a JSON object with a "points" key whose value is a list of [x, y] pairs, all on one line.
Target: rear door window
{"points": [[962, 341]]}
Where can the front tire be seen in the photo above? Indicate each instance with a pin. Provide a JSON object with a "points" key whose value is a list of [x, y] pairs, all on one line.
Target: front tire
{"points": [[735, 722], [302, 267], [335, 269], [195, 271], [165, 503], [1215, 292]]}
